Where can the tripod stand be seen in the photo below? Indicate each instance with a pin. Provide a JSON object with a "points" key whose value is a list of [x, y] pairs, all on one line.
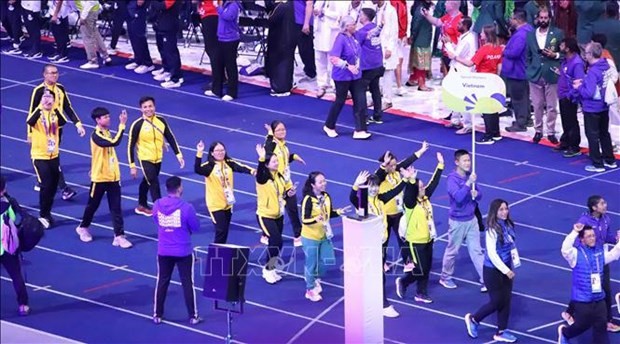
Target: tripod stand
{"points": [[230, 308]]}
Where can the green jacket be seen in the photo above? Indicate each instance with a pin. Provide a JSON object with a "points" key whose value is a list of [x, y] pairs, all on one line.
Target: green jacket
{"points": [[421, 29], [538, 65], [611, 29], [489, 12]]}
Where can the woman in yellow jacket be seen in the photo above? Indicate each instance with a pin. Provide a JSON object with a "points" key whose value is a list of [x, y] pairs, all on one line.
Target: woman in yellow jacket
{"points": [[271, 191], [316, 232], [219, 195], [275, 143], [420, 233], [377, 205]]}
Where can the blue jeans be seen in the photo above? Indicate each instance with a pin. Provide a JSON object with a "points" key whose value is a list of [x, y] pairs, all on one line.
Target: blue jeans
{"points": [[319, 254]]}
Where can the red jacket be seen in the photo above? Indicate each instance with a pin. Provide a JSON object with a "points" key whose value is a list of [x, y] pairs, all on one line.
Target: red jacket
{"points": [[401, 11], [206, 9]]}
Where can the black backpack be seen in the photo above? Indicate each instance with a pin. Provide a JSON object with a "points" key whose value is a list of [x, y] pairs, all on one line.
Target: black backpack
{"points": [[29, 229]]}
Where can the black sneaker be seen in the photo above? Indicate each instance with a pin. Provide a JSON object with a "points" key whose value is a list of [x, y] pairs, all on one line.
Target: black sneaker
{"points": [[377, 119], [560, 148], [515, 129], [486, 140], [553, 139], [569, 153], [537, 137]]}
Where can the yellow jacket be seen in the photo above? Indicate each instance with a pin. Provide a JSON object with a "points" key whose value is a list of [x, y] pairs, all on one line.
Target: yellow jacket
{"points": [[45, 133], [388, 181], [147, 134], [280, 150], [271, 191], [218, 176], [104, 166], [314, 213], [61, 102], [419, 211]]}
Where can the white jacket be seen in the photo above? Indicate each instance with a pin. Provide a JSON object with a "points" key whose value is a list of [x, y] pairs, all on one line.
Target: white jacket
{"points": [[388, 17], [465, 49], [327, 26]]}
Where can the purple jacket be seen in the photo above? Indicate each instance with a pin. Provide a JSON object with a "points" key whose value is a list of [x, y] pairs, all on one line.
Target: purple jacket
{"points": [[348, 49], [372, 55], [601, 227], [591, 93], [570, 70], [176, 220], [228, 22], [462, 206], [300, 12], [513, 61]]}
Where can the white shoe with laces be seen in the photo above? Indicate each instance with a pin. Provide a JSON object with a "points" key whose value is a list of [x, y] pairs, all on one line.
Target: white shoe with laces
{"points": [[390, 312], [162, 76], [313, 296], [157, 71], [89, 65], [227, 98], [84, 234], [361, 135], [330, 132], [172, 84], [270, 276], [144, 69], [317, 286], [131, 66], [121, 241]]}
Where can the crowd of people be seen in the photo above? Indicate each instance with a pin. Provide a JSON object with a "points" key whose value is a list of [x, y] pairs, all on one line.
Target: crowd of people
{"points": [[567, 62]]}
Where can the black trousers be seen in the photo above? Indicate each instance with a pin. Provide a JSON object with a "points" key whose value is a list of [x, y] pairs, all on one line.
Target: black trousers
{"points": [[33, 23], [221, 221], [589, 315], [273, 229], [47, 174], [136, 28], [170, 54], [422, 271], [60, 31], [305, 44], [500, 293], [491, 125], [12, 20], [371, 79], [599, 140], [120, 16], [519, 93], [225, 62], [165, 266], [113, 191], [356, 87], [13, 267], [571, 137], [150, 182], [159, 42], [393, 222], [208, 27], [293, 215]]}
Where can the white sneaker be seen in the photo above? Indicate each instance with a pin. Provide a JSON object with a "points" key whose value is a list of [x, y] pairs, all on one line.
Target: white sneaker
{"points": [[227, 98], [390, 312], [44, 222], [89, 65], [172, 84], [568, 318], [84, 234], [297, 242], [270, 276], [162, 76], [131, 66], [121, 241], [401, 91], [408, 267], [361, 135], [330, 132], [312, 296], [209, 93], [112, 51], [277, 275], [264, 240], [144, 69], [317, 286], [157, 72]]}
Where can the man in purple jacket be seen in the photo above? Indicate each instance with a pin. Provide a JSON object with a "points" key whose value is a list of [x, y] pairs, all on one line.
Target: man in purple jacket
{"points": [[591, 93], [513, 70], [597, 218], [176, 221], [463, 224]]}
